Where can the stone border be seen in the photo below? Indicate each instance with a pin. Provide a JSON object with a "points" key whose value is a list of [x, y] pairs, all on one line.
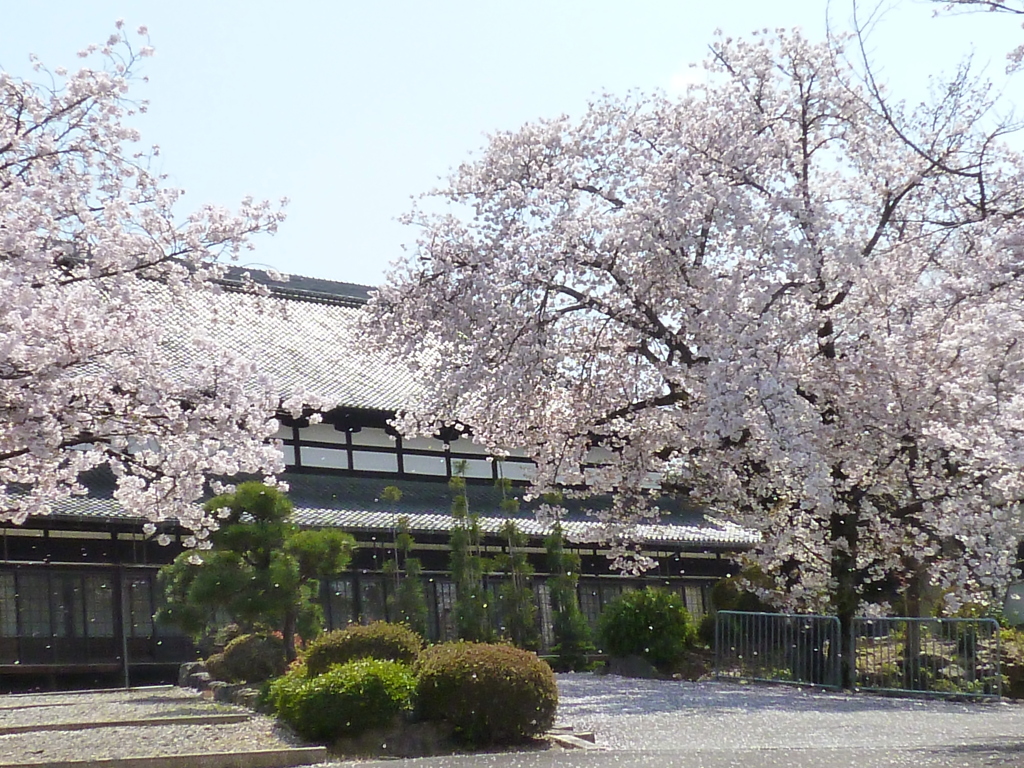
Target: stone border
{"points": [[6, 730], [266, 758]]}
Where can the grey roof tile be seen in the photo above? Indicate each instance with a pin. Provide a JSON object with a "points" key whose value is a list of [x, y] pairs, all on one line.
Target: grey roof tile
{"points": [[303, 336], [355, 504]]}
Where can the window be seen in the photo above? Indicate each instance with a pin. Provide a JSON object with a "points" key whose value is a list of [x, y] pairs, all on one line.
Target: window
{"points": [[139, 593], [322, 433], [376, 438], [99, 605], [516, 470], [374, 462], [340, 605], [425, 465], [34, 604], [371, 599], [547, 631], [477, 467], [8, 609], [329, 458], [694, 597]]}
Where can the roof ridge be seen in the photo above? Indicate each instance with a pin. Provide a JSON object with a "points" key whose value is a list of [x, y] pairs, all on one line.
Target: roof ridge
{"points": [[298, 287]]}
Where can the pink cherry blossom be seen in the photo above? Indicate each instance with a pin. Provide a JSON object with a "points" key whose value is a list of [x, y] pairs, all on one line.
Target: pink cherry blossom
{"points": [[91, 258], [797, 304]]}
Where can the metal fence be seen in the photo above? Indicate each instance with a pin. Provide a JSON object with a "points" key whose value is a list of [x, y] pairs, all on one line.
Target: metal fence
{"points": [[777, 647], [943, 657], [936, 657]]}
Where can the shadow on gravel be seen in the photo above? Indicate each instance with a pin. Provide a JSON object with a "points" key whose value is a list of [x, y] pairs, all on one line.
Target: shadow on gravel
{"points": [[1000, 748]]}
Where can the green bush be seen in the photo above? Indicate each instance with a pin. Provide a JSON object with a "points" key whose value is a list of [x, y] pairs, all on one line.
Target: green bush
{"points": [[489, 694], [706, 629], [346, 700], [726, 594], [380, 640], [248, 659], [652, 623]]}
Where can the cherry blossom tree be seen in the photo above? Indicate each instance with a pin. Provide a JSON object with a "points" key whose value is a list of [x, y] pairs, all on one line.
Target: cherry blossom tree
{"points": [[798, 305], [1003, 6], [92, 257], [1013, 7]]}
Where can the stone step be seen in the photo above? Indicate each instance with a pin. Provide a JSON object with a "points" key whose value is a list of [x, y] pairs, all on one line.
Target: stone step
{"points": [[221, 719], [264, 758]]}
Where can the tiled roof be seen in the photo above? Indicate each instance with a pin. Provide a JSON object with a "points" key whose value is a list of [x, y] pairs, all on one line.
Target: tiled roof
{"points": [[303, 336], [355, 504]]}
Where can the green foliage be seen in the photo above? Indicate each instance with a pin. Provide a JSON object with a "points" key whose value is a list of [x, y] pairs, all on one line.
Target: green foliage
{"points": [[320, 553], [379, 640], [728, 594], [652, 623], [261, 572], [572, 633], [248, 659], [518, 610], [407, 602], [490, 694], [706, 630], [468, 565], [346, 700], [1012, 646]]}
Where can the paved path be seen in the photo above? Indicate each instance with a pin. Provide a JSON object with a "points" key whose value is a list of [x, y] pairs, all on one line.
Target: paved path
{"points": [[719, 725]]}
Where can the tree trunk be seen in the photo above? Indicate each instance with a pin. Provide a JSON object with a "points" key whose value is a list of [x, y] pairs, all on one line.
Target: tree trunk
{"points": [[912, 650], [844, 560], [288, 635]]}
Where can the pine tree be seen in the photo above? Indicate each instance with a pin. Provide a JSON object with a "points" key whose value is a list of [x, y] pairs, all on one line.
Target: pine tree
{"points": [[519, 609], [572, 633], [467, 565], [406, 601]]}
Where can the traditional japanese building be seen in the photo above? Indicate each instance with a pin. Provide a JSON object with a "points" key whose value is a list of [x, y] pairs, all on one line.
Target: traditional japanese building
{"points": [[78, 588]]}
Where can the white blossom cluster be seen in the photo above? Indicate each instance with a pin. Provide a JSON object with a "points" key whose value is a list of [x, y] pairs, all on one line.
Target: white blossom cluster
{"points": [[92, 258], [794, 301]]}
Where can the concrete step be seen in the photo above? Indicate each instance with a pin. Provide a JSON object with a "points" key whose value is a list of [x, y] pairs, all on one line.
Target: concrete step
{"points": [[223, 719], [264, 758]]}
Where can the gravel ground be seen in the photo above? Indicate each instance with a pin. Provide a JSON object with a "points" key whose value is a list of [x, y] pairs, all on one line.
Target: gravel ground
{"points": [[641, 715], [110, 742], [637, 723], [654, 724], [651, 715]]}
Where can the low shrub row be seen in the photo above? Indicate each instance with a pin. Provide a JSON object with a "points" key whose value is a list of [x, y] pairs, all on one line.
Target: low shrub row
{"points": [[380, 640], [366, 677], [346, 700], [490, 694]]}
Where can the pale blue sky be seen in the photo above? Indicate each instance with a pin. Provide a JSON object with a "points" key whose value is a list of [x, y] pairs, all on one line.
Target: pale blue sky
{"points": [[349, 109]]}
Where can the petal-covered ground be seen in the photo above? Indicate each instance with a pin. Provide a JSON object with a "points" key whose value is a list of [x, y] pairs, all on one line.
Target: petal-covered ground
{"points": [[627, 714]]}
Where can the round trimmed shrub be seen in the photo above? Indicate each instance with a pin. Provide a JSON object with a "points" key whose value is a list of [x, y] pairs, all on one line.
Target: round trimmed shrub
{"points": [[379, 640], [652, 623], [346, 700], [489, 694], [249, 659]]}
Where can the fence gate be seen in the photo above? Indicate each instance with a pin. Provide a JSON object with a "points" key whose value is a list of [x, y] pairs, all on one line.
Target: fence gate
{"points": [[944, 657], [777, 647]]}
